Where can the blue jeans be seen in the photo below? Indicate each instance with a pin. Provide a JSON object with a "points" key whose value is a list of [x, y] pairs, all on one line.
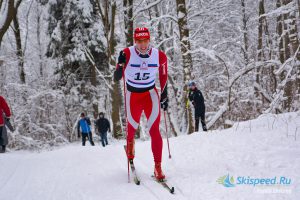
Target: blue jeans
{"points": [[104, 138]]}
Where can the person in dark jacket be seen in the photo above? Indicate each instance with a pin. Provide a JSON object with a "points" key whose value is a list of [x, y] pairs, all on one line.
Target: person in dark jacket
{"points": [[103, 127], [84, 124], [196, 97], [5, 115]]}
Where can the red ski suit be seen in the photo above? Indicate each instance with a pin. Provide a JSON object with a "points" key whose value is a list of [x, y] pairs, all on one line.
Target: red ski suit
{"points": [[142, 95], [3, 109]]}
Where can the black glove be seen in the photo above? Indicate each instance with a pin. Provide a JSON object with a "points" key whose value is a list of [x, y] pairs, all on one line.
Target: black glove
{"points": [[78, 135], [122, 58], [164, 103], [7, 119]]}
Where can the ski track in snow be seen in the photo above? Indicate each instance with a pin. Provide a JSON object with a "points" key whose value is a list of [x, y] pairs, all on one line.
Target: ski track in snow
{"points": [[74, 172]]}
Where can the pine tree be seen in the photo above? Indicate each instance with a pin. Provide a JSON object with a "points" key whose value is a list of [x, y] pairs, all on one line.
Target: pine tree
{"points": [[76, 41]]}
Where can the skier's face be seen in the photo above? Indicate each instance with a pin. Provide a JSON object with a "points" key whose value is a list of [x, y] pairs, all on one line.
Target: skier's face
{"points": [[142, 45], [192, 87]]}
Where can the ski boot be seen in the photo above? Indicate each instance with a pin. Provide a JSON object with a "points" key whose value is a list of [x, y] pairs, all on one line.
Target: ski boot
{"points": [[130, 150], [158, 174]]}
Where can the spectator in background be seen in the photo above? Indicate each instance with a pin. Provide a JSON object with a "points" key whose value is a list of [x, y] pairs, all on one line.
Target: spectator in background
{"points": [[103, 126], [196, 97], [5, 115], [84, 125]]}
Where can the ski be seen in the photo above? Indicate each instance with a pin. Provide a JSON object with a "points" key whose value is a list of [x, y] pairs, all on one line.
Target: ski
{"points": [[165, 185], [132, 167], [138, 182]]}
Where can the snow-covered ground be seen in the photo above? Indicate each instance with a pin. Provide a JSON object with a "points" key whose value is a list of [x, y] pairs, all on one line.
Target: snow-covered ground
{"points": [[262, 148]]}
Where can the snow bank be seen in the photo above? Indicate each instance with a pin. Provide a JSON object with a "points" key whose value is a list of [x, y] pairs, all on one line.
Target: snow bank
{"points": [[264, 148]]}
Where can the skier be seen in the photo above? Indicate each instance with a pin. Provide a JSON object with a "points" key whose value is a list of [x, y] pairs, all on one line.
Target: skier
{"points": [[103, 126], [84, 124], [196, 97], [138, 65], [5, 115]]}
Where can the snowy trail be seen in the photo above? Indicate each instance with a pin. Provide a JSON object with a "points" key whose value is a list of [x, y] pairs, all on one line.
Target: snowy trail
{"points": [[76, 172]]}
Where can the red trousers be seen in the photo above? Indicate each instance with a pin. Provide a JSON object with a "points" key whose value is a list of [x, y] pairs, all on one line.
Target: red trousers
{"points": [[148, 102]]}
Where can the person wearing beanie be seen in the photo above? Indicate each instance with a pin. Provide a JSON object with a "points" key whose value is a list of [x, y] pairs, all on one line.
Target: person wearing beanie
{"points": [[84, 126], [197, 99]]}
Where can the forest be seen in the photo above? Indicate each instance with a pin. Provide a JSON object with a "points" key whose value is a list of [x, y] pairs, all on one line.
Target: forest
{"points": [[58, 57]]}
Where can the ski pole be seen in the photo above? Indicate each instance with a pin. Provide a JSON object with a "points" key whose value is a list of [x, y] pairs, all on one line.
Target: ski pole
{"points": [[128, 171], [167, 134]]}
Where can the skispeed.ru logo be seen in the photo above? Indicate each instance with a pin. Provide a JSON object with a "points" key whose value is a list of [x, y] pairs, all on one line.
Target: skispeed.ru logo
{"points": [[225, 181], [228, 181]]}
